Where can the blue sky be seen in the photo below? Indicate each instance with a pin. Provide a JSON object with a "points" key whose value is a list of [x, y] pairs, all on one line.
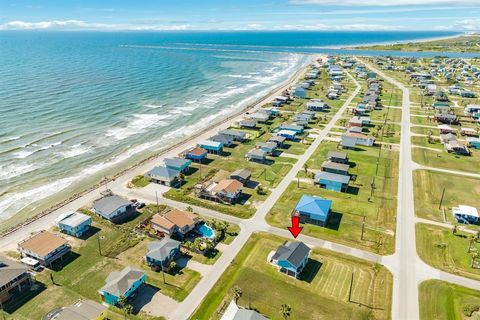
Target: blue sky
{"points": [[454, 15]]}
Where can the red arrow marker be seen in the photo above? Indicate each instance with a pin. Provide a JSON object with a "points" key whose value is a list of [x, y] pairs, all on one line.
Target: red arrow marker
{"points": [[295, 229]]}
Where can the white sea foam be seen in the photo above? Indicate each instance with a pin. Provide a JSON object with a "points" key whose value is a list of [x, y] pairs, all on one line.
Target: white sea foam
{"points": [[139, 124], [10, 139], [154, 106], [22, 154], [15, 169], [75, 150], [191, 101]]}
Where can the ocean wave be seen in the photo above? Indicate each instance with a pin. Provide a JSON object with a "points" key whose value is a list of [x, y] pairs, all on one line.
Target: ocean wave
{"points": [[14, 170], [191, 101], [154, 106], [75, 150], [22, 154], [10, 139], [138, 125]]}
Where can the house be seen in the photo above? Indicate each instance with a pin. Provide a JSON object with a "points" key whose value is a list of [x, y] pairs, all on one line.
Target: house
{"points": [[45, 247], [228, 190], [248, 123], [300, 92], [316, 105], [334, 167], [287, 134], [355, 130], [337, 157], [350, 140], [122, 284], [242, 175], [196, 154], [14, 280], [259, 117], [446, 118], [164, 176], [234, 312], [175, 222], [447, 137], [332, 181], [80, 310], [445, 128], [256, 155], [160, 253], [227, 141], [178, 164], [268, 147], [473, 142], [313, 210], [468, 132], [114, 208], [456, 147], [291, 127], [211, 146], [235, 134], [359, 121], [74, 223], [291, 257], [466, 214], [279, 140]]}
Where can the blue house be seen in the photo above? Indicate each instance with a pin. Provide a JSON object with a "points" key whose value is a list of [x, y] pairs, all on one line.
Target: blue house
{"points": [[74, 223], [178, 164], [122, 284], [196, 154], [211, 146], [163, 175], [288, 134], [466, 214], [162, 252], [473, 142], [291, 127], [313, 210], [113, 208], [300, 92], [332, 181], [291, 258]]}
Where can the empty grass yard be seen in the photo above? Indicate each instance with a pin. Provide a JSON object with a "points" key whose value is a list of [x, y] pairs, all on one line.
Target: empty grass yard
{"points": [[445, 160], [440, 248], [445, 301], [322, 294], [429, 186]]}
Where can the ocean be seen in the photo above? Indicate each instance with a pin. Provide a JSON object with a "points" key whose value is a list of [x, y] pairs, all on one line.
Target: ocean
{"points": [[77, 106]]}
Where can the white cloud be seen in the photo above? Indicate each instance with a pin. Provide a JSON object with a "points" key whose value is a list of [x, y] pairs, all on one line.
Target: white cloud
{"points": [[468, 24], [82, 25], [384, 3]]}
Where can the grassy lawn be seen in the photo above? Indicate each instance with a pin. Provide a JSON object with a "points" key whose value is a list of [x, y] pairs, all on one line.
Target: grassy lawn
{"points": [[447, 160], [423, 142], [441, 300], [326, 284], [428, 192], [138, 182], [440, 248], [345, 225]]}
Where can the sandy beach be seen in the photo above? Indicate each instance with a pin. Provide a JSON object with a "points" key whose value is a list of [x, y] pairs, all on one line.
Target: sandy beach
{"points": [[46, 219]]}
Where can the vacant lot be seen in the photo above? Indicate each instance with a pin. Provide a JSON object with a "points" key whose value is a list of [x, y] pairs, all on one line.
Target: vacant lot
{"points": [[442, 249], [429, 186], [445, 301], [445, 160], [321, 294]]}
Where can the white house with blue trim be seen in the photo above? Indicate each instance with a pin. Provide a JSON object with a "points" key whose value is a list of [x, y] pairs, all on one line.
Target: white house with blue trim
{"points": [[74, 223]]}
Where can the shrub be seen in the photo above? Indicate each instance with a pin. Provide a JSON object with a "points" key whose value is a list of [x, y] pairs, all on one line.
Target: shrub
{"points": [[470, 308]]}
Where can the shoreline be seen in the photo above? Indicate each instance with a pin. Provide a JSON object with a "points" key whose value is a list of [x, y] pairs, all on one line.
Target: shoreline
{"points": [[387, 43], [133, 170]]}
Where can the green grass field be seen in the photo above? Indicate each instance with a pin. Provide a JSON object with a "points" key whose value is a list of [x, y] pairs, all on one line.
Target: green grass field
{"points": [[322, 294], [445, 160], [440, 248], [345, 226], [445, 301], [428, 192]]}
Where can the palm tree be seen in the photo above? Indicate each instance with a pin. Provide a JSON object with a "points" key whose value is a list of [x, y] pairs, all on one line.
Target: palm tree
{"points": [[471, 240], [474, 256], [285, 311], [305, 167], [237, 293], [454, 230]]}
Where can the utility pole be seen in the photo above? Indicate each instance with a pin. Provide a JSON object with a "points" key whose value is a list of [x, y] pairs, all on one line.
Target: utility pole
{"points": [[351, 289], [363, 227], [441, 199]]}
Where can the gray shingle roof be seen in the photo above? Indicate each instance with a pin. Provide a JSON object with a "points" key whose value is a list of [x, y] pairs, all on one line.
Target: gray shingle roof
{"points": [[332, 177], [110, 204], [159, 250], [163, 172], [118, 282], [10, 270], [242, 173], [293, 252]]}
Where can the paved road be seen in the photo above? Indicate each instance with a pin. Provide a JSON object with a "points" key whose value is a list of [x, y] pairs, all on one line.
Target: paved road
{"points": [[408, 269]]}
